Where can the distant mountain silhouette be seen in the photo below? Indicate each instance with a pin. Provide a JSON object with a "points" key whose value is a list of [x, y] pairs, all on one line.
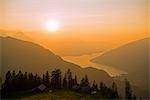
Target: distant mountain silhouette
{"points": [[132, 58], [27, 56], [63, 45]]}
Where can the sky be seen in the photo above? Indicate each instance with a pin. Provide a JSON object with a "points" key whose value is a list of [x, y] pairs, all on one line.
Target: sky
{"points": [[113, 21]]}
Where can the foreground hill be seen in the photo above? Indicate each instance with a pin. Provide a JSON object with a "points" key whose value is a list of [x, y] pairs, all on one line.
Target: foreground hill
{"points": [[54, 95], [27, 56], [132, 58]]}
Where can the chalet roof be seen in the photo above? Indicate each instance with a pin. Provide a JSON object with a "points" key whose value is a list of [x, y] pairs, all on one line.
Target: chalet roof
{"points": [[41, 87]]}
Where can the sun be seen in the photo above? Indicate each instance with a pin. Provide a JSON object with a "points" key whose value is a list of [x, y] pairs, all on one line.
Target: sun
{"points": [[52, 25]]}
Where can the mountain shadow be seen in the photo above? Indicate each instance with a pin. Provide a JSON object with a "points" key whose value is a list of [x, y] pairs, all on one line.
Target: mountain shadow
{"points": [[132, 58]]}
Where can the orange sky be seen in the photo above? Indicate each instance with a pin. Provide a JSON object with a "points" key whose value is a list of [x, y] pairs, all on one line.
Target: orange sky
{"points": [[113, 22]]}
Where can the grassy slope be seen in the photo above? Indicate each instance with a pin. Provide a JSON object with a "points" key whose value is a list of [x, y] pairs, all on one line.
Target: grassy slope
{"points": [[55, 95], [59, 95]]}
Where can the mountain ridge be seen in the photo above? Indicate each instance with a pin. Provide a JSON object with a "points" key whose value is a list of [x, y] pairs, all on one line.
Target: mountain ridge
{"points": [[27, 56]]}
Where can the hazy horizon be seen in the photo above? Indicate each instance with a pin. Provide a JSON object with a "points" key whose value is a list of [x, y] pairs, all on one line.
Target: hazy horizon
{"points": [[82, 27]]}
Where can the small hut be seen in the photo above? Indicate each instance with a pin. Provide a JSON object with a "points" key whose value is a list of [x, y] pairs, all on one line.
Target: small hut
{"points": [[40, 88], [75, 87], [93, 92], [85, 89]]}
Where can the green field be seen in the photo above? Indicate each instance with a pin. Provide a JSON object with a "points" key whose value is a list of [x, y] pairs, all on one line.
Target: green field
{"points": [[54, 95]]}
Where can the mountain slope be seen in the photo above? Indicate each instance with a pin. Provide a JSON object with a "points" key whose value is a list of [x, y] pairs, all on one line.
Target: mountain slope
{"points": [[132, 58], [26, 56]]}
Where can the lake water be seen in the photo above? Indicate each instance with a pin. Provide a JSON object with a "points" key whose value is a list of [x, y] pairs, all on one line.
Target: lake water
{"points": [[84, 61]]}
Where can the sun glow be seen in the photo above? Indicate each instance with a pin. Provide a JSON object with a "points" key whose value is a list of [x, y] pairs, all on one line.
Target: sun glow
{"points": [[52, 25]]}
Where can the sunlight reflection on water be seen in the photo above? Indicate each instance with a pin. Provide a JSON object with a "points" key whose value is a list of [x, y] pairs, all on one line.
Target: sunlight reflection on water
{"points": [[84, 61]]}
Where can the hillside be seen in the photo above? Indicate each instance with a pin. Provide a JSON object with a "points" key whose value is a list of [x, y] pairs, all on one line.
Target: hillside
{"points": [[132, 58], [27, 56], [54, 95]]}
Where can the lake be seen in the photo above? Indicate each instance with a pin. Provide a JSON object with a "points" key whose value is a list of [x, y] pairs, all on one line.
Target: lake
{"points": [[84, 61]]}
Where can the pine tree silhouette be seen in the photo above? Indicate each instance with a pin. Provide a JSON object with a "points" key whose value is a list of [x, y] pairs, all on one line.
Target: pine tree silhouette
{"points": [[114, 91], [69, 79], [94, 86], [65, 82], [8, 81], [47, 80], [56, 79], [128, 90]]}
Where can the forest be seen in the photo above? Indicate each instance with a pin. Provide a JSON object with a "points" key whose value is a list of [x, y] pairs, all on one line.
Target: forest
{"points": [[20, 81]]}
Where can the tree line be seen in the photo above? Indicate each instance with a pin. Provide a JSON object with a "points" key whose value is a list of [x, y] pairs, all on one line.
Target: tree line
{"points": [[27, 81]]}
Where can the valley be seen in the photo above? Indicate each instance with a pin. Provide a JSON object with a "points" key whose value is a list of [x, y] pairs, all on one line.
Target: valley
{"points": [[84, 61]]}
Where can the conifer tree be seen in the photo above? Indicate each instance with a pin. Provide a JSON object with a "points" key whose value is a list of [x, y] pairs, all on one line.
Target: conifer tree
{"points": [[82, 82], [56, 79], [14, 81], [31, 81], [128, 90], [94, 86], [75, 82], [43, 79], [20, 80], [25, 80], [65, 81], [8, 81], [47, 80], [69, 79], [114, 91], [86, 80]]}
